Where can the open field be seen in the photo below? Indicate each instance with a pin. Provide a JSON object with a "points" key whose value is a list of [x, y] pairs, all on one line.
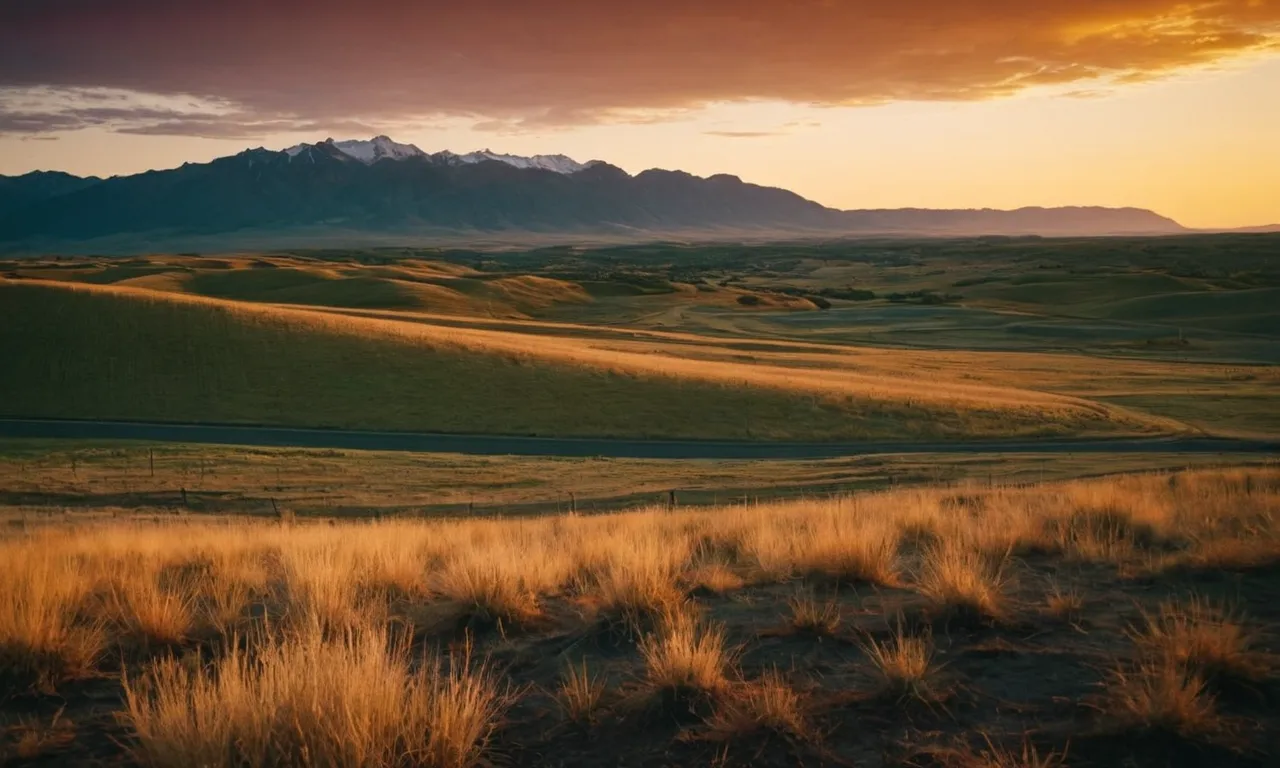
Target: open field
{"points": [[1115, 621], [79, 351], [46, 480], [859, 339], [1200, 297]]}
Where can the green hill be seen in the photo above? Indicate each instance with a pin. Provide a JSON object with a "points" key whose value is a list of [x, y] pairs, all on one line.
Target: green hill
{"points": [[116, 354]]}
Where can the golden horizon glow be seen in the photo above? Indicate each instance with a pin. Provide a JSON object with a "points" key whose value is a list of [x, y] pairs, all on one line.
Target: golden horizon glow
{"points": [[1155, 104]]}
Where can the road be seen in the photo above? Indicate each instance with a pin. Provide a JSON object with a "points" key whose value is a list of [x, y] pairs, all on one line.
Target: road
{"points": [[498, 445]]}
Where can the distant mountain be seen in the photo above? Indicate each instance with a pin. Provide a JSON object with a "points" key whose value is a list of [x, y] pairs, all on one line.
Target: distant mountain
{"points": [[381, 190], [383, 148], [19, 191]]}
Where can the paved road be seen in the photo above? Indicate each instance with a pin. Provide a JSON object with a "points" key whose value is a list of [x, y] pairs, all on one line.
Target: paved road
{"points": [[496, 445]]}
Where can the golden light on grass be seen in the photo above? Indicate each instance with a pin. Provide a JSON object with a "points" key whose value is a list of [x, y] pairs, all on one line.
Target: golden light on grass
{"points": [[579, 693], [768, 703], [812, 616], [685, 662], [713, 578], [904, 666], [306, 699], [963, 583], [843, 549], [173, 582], [1208, 639], [859, 392], [487, 591], [634, 583], [42, 641], [1160, 696]]}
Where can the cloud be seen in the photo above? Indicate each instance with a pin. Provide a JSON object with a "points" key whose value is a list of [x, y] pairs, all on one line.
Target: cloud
{"points": [[744, 134], [519, 65]]}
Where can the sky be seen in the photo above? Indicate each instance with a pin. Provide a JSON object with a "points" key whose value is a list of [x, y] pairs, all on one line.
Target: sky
{"points": [[1161, 104]]}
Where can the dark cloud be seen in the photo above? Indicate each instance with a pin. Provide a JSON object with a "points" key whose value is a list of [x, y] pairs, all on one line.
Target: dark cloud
{"points": [[515, 64]]}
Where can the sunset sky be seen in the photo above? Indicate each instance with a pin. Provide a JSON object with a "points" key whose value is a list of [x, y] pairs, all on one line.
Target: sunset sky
{"points": [[1162, 104]]}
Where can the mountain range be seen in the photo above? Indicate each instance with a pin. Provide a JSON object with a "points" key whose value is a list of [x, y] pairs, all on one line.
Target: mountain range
{"points": [[380, 191]]}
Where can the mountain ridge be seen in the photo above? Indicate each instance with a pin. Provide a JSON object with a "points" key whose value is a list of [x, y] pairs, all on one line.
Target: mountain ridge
{"points": [[381, 189]]}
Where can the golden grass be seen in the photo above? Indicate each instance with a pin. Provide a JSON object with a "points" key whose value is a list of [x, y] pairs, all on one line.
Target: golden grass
{"points": [[904, 666], [841, 549], [766, 704], [812, 616], [580, 693], [1160, 696], [714, 578], [963, 582], [317, 659], [154, 615], [302, 699], [42, 642], [685, 661], [1205, 638]]}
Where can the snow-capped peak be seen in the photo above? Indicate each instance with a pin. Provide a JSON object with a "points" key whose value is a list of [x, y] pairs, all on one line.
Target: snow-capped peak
{"points": [[557, 163], [381, 147], [367, 152]]}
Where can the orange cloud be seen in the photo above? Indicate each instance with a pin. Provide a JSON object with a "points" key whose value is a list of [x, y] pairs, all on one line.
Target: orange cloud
{"points": [[549, 62]]}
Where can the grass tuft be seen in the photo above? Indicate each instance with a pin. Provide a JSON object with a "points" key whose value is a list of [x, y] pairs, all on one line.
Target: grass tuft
{"points": [[904, 666], [1024, 756], [1205, 638], [812, 617], [580, 693], [1064, 605], [767, 704], [963, 583], [1161, 697], [490, 593], [302, 699], [685, 663]]}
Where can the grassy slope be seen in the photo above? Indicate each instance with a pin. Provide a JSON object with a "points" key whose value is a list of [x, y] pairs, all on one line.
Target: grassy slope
{"points": [[75, 353]]}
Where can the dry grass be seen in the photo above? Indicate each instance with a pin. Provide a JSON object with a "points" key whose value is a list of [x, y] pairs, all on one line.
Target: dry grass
{"points": [[580, 693], [303, 700], [488, 592], [1064, 605], [767, 704], [315, 660], [714, 578], [904, 666], [31, 738], [1024, 756], [964, 583], [685, 662], [1161, 697], [1205, 638], [43, 642], [814, 617], [153, 616], [633, 581]]}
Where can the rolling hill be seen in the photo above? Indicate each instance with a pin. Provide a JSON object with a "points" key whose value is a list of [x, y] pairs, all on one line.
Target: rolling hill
{"points": [[110, 352]]}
